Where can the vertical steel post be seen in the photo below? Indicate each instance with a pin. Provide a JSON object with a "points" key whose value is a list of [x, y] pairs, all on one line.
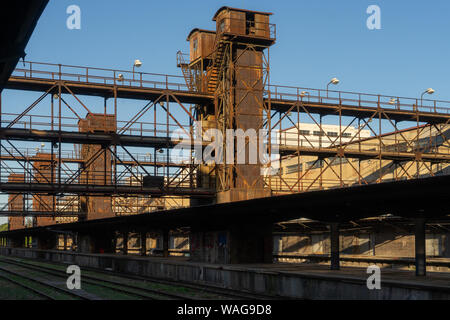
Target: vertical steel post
{"points": [[165, 236], [143, 243], [125, 243], [334, 246], [420, 247]]}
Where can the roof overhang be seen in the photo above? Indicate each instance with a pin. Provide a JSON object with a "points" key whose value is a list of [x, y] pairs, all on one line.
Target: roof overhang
{"points": [[198, 30], [240, 10], [18, 20]]}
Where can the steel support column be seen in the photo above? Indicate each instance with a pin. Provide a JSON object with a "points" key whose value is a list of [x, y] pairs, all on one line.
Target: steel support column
{"points": [[125, 243], [165, 236], [334, 246], [143, 238], [420, 247]]}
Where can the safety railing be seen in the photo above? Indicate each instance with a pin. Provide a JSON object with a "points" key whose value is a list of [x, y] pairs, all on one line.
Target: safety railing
{"points": [[31, 154], [172, 178], [429, 141], [93, 75], [275, 92], [356, 99], [45, 122]]}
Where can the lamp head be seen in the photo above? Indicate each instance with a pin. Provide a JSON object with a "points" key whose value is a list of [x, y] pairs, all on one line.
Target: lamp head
{"points": [[137, 63], [334, 81], [392, 101], [429, 91]]}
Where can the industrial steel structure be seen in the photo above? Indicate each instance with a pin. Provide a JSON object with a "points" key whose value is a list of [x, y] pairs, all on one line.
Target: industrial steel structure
{"points": [[96, 160]]}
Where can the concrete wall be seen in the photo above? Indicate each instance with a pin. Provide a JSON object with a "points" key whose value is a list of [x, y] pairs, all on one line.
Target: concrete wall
{"points": [[388, 243]]}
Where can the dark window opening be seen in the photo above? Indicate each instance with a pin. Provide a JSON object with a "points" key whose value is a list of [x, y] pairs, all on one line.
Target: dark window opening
{"points": [[249, 23]]}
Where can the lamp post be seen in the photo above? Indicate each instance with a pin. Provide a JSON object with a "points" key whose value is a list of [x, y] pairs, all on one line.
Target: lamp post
{"points": [[334, 81], [304, 93], [428, 91], [392, 101], [137, 64]]}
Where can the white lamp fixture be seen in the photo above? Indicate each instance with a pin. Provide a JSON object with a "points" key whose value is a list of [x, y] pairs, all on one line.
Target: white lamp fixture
{"points": [[120, 77], [334, 81], [428, 91], [137, 64]]}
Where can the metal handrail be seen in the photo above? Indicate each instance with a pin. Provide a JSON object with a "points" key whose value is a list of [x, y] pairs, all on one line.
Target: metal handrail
{"points": [[276, 92]]}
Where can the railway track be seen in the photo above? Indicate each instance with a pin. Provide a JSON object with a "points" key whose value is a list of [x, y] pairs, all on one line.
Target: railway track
{"points": [[121, 287], [40, 283], [98, 277], [34, 291]]}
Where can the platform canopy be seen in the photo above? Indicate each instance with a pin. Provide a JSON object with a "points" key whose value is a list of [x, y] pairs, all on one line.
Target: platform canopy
{"points": [[417, 198], [18, 19]]}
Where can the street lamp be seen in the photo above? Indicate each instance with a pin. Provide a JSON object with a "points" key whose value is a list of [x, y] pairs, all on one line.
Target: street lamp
{"points": [[428, 91], [137, 64], [334, 81], [120, 77], [304, 93]]}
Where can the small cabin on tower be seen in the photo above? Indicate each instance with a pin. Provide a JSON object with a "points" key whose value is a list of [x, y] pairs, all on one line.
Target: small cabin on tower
{"points": [[201, 43], [244, 23]]}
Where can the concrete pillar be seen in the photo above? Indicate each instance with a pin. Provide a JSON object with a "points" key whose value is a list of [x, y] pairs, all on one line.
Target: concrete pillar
{"points": [[143, 243], [98, 243], [251, 244], [125, 243], [74, 242], [47, 241], [65, 241], [17, 242], [421, 264], [334, 244], [165, 243], [114, 243], [236, 244]]}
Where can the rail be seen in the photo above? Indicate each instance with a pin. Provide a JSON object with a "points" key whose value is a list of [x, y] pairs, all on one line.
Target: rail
{"points": [[358, 99], [91, 75], [104, 76]]}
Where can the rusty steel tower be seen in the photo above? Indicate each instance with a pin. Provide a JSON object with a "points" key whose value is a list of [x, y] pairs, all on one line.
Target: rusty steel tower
{"points": [[233, 64]]}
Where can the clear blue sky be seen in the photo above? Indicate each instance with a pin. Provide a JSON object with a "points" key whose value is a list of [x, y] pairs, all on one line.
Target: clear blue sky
{"points": [[316, 40]]}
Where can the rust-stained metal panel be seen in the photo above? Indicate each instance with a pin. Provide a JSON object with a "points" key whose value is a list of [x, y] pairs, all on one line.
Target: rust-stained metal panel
{"points": [[16, 203]]}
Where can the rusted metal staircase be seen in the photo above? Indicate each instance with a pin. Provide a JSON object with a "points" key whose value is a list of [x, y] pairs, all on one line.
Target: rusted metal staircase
{"points": [[214, 69], [187, 72]]}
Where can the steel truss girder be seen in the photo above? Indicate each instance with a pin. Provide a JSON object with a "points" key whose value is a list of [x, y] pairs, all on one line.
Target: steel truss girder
{"points": [[83, 189], [107, 91]]}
